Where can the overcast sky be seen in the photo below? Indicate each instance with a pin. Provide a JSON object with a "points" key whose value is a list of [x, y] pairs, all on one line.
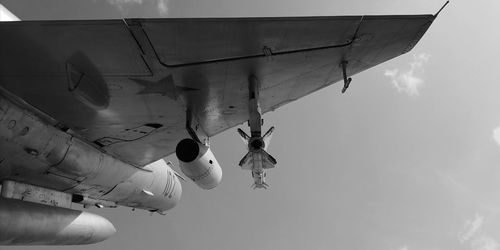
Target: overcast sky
{"points": [[408, 159]]}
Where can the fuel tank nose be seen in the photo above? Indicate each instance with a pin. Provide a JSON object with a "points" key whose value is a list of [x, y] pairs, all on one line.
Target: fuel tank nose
{"points": [[100, 230]]}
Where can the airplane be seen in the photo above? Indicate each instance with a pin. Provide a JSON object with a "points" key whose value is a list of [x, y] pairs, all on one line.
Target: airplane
{"points": [[89, 109]]}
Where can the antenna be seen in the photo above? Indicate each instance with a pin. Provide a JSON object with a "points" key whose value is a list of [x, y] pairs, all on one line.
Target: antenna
{"points": [[447, 2]]}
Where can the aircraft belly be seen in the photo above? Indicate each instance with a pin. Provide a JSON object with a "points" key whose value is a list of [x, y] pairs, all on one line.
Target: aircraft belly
{"points": [[111, 128], [34, 152]]}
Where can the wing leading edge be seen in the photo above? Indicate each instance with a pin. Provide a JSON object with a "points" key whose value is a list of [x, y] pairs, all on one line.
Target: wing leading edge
{"points": [[127, 85]]}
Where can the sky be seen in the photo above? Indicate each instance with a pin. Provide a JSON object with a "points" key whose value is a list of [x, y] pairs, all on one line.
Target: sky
{"points": [[408, 159]]}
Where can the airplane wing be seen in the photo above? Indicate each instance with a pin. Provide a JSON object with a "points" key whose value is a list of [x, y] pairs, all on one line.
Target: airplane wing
{"points": [[130, 86]]}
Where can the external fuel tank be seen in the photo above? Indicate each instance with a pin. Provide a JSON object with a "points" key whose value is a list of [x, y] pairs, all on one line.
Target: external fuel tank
{"points": [[28, 223]]}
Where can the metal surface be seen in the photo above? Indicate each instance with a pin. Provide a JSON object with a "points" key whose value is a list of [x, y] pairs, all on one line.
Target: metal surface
{"points": [[6, 15], [257, 159], [198, 163], [87, 201], [34, 152], [25, 192], [156, 69], [27, 223]]}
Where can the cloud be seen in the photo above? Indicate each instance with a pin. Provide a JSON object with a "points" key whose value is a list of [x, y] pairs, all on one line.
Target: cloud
{"points": [[404, 248], [473, 235], [485, 243], [496, 135], [408, 81], [471, 228], [163, 7], [123, 5]]}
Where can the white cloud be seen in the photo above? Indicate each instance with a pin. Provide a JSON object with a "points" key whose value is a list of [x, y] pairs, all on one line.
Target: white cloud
{"points": [[121, 4], [473, 235], [161, 5], [408, 81], [471, 228], [484, 243], [496, 135], [404, 248]]}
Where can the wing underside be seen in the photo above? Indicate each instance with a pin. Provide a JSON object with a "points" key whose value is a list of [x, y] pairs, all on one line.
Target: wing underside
{"points": [[129, 86]]}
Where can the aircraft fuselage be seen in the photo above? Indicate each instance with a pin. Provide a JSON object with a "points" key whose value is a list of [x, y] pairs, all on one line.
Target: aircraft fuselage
{"points": [[35, 152]]}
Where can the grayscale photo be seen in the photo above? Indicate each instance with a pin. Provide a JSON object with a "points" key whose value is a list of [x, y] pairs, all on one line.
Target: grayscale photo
{"points": [[249, 125]]}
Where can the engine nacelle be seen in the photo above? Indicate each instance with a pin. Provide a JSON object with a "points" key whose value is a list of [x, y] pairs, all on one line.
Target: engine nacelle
{"points": [[198, 163]]}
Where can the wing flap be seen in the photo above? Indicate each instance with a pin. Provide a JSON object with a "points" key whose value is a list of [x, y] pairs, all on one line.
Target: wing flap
{"points": [[224, 38]]}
